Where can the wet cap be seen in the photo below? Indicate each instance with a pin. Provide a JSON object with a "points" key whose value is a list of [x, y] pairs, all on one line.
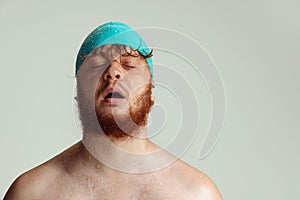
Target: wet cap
{"points": [[112, 33]]}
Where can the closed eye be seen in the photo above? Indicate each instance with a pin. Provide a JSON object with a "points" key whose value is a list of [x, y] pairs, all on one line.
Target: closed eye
{"points": [[128, 65], [99, 65]]}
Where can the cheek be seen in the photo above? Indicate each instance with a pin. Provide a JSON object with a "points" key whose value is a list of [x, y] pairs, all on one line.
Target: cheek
{"points": [[88, 84], [140, 77], [135, 86]]}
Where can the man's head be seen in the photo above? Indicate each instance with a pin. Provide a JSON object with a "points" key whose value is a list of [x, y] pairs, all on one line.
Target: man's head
{"points": [[113, 33], [114, 84]]}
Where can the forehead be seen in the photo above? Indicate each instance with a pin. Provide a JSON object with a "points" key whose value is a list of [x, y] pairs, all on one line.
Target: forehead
{"points": [[101, 57], [113, 51]]}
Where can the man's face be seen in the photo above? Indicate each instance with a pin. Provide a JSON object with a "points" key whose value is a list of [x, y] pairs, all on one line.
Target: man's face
{"points": [[114, 90]]}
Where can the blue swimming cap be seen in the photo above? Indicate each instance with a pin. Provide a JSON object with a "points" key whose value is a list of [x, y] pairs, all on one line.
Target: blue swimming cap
{"points": [[112, 33]]}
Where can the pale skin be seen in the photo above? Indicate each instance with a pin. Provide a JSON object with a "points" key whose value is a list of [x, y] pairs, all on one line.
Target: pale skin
{"points": [[78, 174]]}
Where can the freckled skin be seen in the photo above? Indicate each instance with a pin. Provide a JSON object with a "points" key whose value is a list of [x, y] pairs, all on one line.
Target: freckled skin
{"points": [[77, 174]]}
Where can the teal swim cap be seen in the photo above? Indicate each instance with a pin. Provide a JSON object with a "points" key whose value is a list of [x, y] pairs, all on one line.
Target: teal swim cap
{"points": [[112, 33]]}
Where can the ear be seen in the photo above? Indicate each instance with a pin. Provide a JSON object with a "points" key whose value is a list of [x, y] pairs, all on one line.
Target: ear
{"points": [[152, 99]]}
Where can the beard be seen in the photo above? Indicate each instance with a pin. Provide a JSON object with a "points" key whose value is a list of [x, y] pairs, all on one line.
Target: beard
{"points": [[112, 122]]}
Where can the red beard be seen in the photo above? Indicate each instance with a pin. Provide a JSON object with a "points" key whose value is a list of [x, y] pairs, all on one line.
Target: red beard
{"points": [[112, 125]]}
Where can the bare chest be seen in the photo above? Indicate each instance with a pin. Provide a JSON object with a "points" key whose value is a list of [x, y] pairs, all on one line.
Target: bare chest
{"points": [[112, 189]]}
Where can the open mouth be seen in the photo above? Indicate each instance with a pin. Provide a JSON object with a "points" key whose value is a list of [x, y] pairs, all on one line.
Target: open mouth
{"points": [[113, 95]]}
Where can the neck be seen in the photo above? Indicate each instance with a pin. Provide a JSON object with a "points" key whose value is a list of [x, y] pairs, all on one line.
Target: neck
{"points": [[134, 154], [133, 143]]}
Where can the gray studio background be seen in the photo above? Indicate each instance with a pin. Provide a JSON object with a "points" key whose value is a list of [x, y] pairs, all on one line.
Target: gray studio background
{"points": [[255, 45]]}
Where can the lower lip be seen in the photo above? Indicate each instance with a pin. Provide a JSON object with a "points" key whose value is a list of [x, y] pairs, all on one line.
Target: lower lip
{"points": [[114, 100]]}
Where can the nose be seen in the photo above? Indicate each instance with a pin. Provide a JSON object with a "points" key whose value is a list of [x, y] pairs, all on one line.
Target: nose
{"points": [[113, 72]]}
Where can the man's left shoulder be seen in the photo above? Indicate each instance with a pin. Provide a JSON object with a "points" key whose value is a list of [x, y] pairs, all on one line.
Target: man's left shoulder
{"points": [[197, 182]]}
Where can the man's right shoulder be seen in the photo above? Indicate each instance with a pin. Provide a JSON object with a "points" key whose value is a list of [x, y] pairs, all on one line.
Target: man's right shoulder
{"points": [[26, 186], [34, 183], [31, 184]]}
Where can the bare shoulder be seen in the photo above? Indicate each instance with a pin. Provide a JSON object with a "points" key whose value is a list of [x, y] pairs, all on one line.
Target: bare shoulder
{"points": [[196, 182], [27, 186], [34, 183]]}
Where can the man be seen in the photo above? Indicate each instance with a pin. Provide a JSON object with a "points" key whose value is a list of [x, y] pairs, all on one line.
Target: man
{"points": [[114, 160]]}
